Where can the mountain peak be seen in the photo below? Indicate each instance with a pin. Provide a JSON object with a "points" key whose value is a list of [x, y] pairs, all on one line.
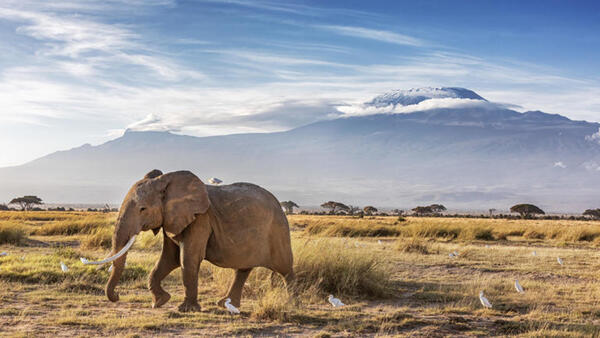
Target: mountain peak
{"points": [[416, 95]]}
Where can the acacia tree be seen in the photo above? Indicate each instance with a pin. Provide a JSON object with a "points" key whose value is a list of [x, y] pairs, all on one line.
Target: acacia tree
{"points": [[369, 210], [398, 212], [289, 206], [492, 210], [526, 210], [594, 213], [26, 202], [437, 208], [3, 207], [420, 210], [352, 209], [334, 206]]}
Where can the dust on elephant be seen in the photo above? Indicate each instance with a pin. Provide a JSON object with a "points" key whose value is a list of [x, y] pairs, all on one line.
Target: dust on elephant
{"points": [[238, 226]]}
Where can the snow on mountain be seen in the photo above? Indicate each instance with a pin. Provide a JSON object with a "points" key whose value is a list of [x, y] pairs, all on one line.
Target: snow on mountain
{"points": [[416, 95]]}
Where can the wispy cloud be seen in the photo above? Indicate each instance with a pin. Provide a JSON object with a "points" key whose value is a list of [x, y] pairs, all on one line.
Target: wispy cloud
{"points": [[374, 34]]}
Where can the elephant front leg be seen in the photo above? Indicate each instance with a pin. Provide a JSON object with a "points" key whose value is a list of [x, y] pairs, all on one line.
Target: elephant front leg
{"points": [[189, 268], [192, 249], [169, 261]]}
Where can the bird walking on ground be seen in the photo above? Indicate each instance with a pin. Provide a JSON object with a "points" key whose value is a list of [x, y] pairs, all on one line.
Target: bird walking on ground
{"points": [[215, 181], [335, 301], [64, 267], [379, 242], [484, 301], [518, 286], [230, 307], [560, 261]]}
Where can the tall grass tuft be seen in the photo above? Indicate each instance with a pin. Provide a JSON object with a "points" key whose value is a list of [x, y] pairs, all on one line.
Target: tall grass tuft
{"points": [[100, 238], [340, 269], [414, 245], [274, 304]]}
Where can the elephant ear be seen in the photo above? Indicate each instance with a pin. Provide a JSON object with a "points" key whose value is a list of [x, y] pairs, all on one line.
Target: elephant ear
{"points": [[184, 196]]}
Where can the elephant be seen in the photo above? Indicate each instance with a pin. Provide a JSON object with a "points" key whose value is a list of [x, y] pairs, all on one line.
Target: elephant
{"points": [[239, 226]]}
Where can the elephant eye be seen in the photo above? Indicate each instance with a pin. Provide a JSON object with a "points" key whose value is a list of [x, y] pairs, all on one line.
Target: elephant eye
{"points": [[142, 209]]}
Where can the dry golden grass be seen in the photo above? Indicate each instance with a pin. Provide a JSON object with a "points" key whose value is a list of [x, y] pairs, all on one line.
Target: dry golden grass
{"points": [[447, 229], [405, 286]]}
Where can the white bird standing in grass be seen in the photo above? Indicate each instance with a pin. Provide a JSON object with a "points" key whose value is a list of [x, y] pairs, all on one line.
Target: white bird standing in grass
{"points": [[232, 309], [379, 242], [518, 286], [534, 254], [560, 261], [215, 181], [335, 301], [3, 254], [64, 267], [484, 301]]}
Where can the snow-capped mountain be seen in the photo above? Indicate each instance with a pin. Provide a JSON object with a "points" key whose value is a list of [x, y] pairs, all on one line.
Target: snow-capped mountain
{"points": [[416, 95], [463, 156]]}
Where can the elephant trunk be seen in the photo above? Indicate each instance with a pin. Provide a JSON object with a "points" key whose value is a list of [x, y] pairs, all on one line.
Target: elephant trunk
{"points": [[122, 241], [118, 267]]}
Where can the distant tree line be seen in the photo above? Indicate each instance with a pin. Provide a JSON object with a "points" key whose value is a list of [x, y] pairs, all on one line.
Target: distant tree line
{"points": [[524, 211], [31, 202]]}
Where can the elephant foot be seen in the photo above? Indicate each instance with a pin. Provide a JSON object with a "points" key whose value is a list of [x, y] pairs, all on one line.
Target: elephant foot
{"points": [[189, 307], [160, 299]]}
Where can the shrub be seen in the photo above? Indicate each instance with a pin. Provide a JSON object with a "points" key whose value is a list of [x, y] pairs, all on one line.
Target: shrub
{"points": [[11, 234]]}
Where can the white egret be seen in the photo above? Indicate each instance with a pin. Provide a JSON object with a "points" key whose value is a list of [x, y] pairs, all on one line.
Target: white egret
{"points": [[484, 301], [335, 301], [534, 254], [560, 261], [518, 286], [379, 242], [64, 267], [232, 309], [214, 181]]}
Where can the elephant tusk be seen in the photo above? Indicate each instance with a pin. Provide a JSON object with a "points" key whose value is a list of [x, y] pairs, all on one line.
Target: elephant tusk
{"points": [[112, 258]]}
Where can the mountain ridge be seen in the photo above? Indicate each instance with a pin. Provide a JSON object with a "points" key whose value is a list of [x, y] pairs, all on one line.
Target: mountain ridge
{"points": [[460, 157]]}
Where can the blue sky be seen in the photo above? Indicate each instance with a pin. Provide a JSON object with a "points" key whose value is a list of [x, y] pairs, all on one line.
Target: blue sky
{"points": [[74, 72]]}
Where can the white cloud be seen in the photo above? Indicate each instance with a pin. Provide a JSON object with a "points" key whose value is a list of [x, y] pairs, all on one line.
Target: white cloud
{"points": [[374, 34], [595, 137], [559, 164]]}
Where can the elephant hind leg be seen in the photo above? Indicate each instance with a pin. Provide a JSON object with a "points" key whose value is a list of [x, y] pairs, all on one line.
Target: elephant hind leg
{"points": [[235, 290]]}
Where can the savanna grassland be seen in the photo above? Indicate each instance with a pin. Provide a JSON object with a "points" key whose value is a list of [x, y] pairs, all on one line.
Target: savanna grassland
{"points": [[395, 276]]}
